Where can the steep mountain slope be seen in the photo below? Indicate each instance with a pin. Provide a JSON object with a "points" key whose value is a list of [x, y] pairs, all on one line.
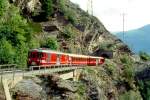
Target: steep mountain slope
{"points": [[82, 33], [138, 39], [75, 31]]}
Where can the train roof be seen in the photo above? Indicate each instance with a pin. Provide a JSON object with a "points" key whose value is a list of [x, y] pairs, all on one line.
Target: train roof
{"points": [[95, 57], [47, 51], [69, 54], [77, 55]]}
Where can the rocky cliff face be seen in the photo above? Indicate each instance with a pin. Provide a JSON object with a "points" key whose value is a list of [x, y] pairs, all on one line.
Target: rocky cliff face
{"points": [[28, 5], [89, 33]]}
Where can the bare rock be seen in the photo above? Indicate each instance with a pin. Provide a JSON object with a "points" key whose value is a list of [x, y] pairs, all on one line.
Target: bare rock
{"points": [[66, 85], [28, 6], [27, 90]]}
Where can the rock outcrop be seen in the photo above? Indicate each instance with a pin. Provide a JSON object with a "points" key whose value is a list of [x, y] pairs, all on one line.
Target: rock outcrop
{"points": [[28, 6], [49, 87], [28, 90], [90, 33]]}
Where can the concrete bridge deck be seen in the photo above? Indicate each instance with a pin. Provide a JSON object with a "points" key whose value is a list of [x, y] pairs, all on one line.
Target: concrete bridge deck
{"points": [[10, 78]]}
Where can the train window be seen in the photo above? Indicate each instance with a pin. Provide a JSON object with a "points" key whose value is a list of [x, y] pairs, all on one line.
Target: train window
{"points": [[48, 57], [41, 55], [32, 54]]}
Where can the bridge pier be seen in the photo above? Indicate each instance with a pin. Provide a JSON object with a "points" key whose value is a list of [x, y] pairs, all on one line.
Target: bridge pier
{"points": [[9, 83], [6, 89], [76, 74]]}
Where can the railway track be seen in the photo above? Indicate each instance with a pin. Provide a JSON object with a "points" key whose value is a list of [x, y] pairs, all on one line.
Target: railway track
{"points": [[10, 73]]}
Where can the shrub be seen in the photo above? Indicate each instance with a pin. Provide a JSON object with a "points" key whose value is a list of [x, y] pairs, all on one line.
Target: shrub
{"points": [[128, 70], [130, 95], [21, 55], [110, 68], [6, 52], [68, 12], [51, 43], [47, 7], [81, 89], [71, 16], [144, 56], [62, 4], [3, 6], [106, 46], [36, 27], [68, 32], [125, 59], [144, 87]]}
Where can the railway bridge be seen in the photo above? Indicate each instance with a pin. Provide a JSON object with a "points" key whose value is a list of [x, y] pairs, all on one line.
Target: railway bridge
{"points": [[11, 76]]}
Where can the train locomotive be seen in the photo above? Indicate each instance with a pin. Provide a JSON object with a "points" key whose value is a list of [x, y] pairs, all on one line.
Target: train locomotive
{"points": [[48, 58]]}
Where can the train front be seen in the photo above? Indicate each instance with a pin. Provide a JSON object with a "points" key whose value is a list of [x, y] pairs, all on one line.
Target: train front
{"points": [[35, 58]]}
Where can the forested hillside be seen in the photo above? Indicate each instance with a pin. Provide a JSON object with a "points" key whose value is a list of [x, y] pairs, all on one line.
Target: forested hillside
{"points": [[50, 24]]}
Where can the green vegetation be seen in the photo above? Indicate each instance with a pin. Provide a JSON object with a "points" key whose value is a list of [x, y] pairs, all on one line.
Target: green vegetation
{"points": [[44, 12], [51, 43], [144, 87], [16, 36], [3, 6], [36, 27], [110, 68], [81, 89], [68, 32], [6, 51], [69, 14], [47, 7], [128, 71], [106, 46], [130, 95], [144, 56]]}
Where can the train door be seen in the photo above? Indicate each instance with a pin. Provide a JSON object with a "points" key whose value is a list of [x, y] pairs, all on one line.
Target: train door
{"points": [[97, 61], [48, 58], [58, 60], [69, 60]]}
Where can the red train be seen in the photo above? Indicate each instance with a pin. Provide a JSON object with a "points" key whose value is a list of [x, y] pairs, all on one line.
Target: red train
{"points": [[44, 57]]}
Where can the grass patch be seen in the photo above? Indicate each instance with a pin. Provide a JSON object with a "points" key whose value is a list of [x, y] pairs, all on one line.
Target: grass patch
{"points": [[36, 27], [81, 89], [130, 95]]}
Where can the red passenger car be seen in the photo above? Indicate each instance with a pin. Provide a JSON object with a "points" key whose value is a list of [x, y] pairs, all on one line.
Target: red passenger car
{"points": [[41, 57], [46, 58]]}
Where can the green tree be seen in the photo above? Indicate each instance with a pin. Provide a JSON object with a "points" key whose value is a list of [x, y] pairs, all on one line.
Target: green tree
{"points": [[51, 43], [17, 36], [14, 28], [3, 6], [69, 13], [6, 52], [47, 6], [21, 54]]}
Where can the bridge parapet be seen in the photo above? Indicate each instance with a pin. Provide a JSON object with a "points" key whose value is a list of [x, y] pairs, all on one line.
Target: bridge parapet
{"points": [[10, 78]]}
